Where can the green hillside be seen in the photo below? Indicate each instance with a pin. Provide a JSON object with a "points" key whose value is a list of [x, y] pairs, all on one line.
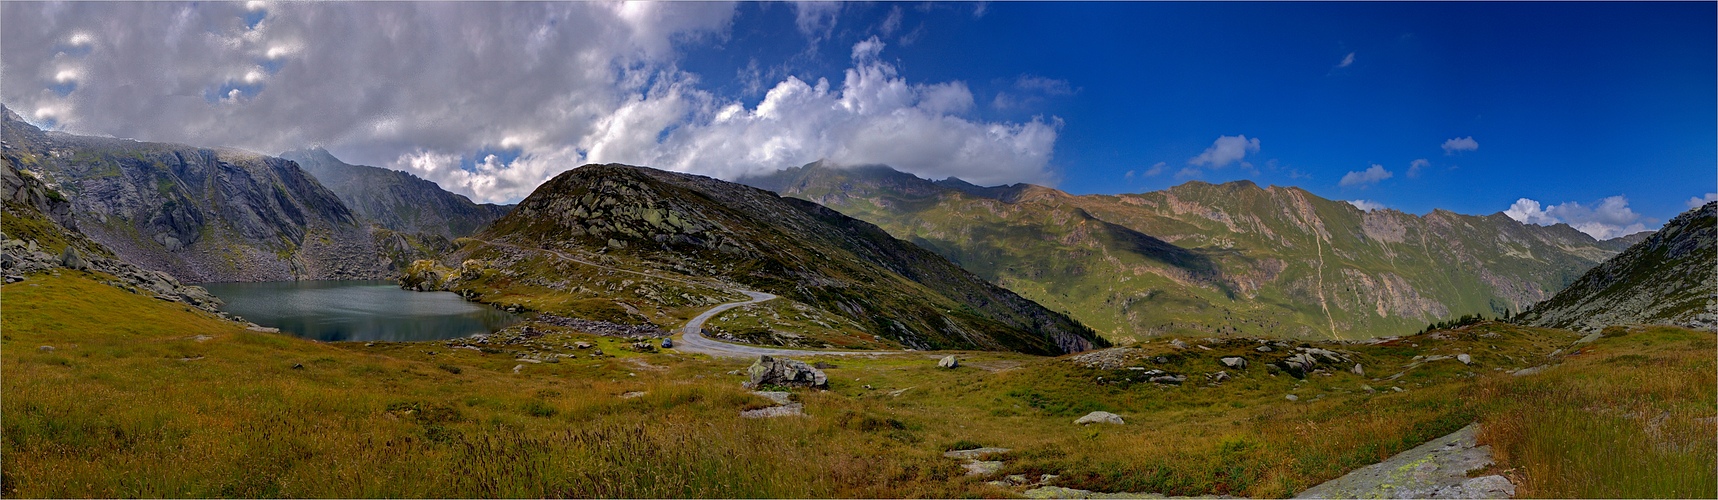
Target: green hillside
{"points": [[1204, 259]]}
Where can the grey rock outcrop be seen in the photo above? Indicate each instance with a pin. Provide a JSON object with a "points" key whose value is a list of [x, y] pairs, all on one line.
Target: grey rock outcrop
{"points": [[770, 371], [1436, 469], [949, 362], [1100, 417], [1234, 362]]}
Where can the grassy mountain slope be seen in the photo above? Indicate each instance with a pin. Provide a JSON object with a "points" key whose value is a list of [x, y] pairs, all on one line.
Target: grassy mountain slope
{"points": [[701, 227], [199, 214], [1670, 277], [144, 398], [1231, 259], [396, 200]]}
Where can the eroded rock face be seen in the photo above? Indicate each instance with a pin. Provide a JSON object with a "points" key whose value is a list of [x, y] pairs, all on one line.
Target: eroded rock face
{"points": [[202, 214], [783, 372]]}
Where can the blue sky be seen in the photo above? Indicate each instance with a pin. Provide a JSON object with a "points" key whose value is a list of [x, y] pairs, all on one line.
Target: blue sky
{"points": [[1601, 115], [1566, 102]]}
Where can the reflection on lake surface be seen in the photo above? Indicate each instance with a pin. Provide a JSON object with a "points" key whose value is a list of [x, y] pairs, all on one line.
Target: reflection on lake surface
{"points": [[358, 310]]}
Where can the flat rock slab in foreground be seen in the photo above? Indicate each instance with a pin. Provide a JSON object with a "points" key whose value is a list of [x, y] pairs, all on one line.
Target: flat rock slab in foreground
{"points": [[1437, 469]]}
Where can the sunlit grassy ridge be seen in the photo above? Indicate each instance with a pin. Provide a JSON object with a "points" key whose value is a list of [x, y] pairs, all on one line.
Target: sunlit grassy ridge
{"points": [[1204, 259], [130, 403]]}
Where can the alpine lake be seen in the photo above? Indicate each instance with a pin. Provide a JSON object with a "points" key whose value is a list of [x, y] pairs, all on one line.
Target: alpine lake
{"points": [[338, 311]]}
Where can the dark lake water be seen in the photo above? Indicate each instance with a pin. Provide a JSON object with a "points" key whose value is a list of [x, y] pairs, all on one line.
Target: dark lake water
{"points": [[358, 310]]}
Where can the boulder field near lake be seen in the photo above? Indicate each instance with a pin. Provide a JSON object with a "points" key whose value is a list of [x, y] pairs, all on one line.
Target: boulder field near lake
{"points": [[120, 380]]}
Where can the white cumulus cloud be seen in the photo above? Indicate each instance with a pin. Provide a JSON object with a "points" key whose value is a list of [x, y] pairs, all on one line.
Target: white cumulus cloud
{"points": [[1417, 165], [1226, 150], [1608, 218], [1367, 205], [1366, 177], [433, 88], [1456, 145], [1700, 201]]}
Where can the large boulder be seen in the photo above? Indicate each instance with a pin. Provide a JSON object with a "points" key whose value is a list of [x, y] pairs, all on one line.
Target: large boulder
{"points": [[949, 362], [1234, 362], [784, 372], [1100, 417]]}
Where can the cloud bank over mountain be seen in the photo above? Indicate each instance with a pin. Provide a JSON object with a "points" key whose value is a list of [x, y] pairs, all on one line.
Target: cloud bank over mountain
{"points": [[487, 100]]}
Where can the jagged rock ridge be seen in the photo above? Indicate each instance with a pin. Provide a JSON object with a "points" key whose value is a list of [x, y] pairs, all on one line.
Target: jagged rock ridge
{"points": [[398, 201], [1671, 277]]}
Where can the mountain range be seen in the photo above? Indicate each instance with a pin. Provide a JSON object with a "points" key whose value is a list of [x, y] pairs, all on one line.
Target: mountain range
{"points": [[873, 251], [1215, 259]]}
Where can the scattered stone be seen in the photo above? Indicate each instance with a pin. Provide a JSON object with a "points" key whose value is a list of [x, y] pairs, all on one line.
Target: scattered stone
{"points": [[898, 392], [1529, 371], [869, 388], [948, 362], [1202, 347], [1046, 492], [369, 344], [1397, 389], [1100, 417], [1161, 360], [975, 453], [1589, 338], [784, 372], [297, 366], [791, 410], [982, 467], [517, 368], [780, 397], [632, 394], [1368, 389], [582, 345], [1168, 379], [202, 338], [46, 348], [1464, 359], [71, 260], [1292, 397], [1220, 377], [261, 329], [1358, 370], [1264, 348], [1177, 343], [1235, 362]]}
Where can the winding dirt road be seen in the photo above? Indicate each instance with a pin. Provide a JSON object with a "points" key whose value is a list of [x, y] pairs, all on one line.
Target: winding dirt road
{"points": [[691, 340]]}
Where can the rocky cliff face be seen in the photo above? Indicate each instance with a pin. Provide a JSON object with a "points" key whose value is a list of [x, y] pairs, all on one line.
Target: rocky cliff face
{"points": [[199, 214], [1671, 277], [397, 201], [1204, 259], [700, 226], [33, 241]]}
